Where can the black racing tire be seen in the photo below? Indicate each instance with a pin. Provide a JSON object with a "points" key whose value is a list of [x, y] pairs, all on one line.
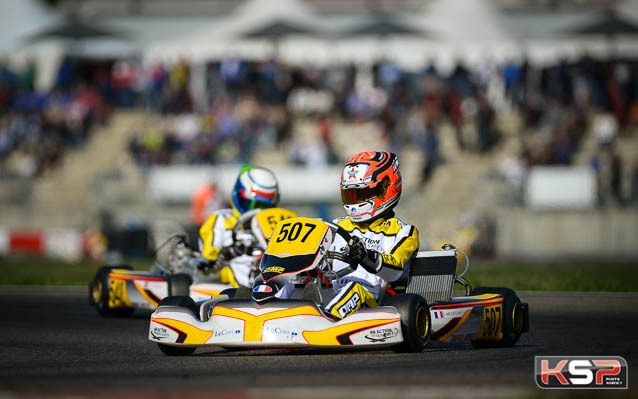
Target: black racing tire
{"points": [[181, 301], [243, 293], [179, 284], [416, 322], [176, 350], [99, 293], [186, 302], [237, 293], [512, 318]]}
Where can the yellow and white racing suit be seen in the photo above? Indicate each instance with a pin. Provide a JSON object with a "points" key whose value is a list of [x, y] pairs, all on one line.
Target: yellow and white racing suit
{"points": [[397, 243], [217, 232]]}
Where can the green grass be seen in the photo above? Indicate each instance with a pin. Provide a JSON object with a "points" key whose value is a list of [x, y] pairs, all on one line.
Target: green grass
{"points": [[518, 276], [556, 277], [43, 271]]}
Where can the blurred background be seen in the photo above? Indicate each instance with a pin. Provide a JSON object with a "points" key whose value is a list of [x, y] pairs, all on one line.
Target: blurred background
{"points": [[515, 121]]}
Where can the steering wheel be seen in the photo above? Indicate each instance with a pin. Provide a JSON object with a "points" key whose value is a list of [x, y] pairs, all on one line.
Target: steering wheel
{"points": [[243, 218], [348, 238]]}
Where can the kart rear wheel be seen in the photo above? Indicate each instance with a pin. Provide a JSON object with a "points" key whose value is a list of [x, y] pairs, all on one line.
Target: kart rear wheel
{"points": [[512, 318], [185, 302], [179, 284], [416, 324], [99, 293]]}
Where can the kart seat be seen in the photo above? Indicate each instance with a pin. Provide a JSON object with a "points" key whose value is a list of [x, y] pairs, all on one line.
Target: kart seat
{"points": [[432, 275]]}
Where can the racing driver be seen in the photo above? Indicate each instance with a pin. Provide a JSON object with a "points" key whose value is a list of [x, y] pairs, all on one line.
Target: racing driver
{"points": [[382, 245], [256, 187]]}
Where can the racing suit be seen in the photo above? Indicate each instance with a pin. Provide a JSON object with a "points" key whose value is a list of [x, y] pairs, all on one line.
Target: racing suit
{"points": [[396, 242], [215, 234]]}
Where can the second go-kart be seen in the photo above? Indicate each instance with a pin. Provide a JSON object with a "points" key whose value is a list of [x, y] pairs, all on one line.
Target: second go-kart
{"points": [[119, 290], [298, 253]]}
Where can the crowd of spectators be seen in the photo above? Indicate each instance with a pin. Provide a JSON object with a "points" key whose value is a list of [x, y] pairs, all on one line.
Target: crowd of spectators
{"points": [[230, 132], [250, 106], [253, 104], [36, 127], [562, 103]]}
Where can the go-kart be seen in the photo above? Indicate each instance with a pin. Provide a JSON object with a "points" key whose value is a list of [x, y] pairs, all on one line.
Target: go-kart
{"points": [[297, 254], [119, 290]]}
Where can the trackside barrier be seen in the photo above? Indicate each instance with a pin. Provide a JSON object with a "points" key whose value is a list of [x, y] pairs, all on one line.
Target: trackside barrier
{"points": [[56, 243], [72, 244]]}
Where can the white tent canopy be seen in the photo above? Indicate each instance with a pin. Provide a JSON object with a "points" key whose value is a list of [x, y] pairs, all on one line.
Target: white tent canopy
{"points": [[472, 31], [463, 21], [18, 20], [223, 37]]}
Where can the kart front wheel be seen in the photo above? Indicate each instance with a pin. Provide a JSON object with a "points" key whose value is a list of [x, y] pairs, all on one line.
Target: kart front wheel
{"points": [[513, 318], [416, 324], [181, 301], [99, 292], [179, 284], [184, 302], [176, 350]]}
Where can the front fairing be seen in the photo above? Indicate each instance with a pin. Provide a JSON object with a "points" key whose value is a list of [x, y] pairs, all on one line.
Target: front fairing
{"points": [[297, 245], [265, 221]]}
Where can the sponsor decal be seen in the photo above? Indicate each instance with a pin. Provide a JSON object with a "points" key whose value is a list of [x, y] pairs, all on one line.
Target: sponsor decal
{"points": [[117, 291], [382, 334], [274, 269], [454, 313], [354, 173], [370, 241], [159, 333], [349, 306], [598, 372], [281, 331], [492, 321], [389, 258], [262, 288], [438, 314], [223, 332]]}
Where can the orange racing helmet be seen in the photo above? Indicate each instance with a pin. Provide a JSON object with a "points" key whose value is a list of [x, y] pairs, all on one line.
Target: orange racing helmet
{"points": [[370, 185]]}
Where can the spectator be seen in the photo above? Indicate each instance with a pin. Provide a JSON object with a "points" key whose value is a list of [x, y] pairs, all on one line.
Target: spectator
{"points": [[203, 203]]}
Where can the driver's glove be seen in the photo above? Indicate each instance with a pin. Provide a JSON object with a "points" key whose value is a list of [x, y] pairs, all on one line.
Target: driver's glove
{"points": [[232, 251], [204, 265], [369, 259]]}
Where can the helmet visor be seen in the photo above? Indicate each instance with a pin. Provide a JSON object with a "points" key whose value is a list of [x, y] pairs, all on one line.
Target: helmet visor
{"points": [[247, 204], [355, 195]]}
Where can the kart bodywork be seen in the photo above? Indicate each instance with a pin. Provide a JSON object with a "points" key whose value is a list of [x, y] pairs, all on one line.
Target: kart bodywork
{"points": [[404, 321], [129, 289], [118, 290], [295, 323]]}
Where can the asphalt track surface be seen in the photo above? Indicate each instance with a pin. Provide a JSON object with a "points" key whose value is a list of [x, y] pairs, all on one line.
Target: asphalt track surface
{"points": [[52, 343]]}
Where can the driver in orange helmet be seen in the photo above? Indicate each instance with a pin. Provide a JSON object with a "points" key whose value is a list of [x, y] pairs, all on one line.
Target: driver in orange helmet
{"points": [[382, 246]]}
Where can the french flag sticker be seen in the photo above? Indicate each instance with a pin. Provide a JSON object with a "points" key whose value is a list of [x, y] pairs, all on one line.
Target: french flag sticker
{"points": [[262, 288], [438, 315]]}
